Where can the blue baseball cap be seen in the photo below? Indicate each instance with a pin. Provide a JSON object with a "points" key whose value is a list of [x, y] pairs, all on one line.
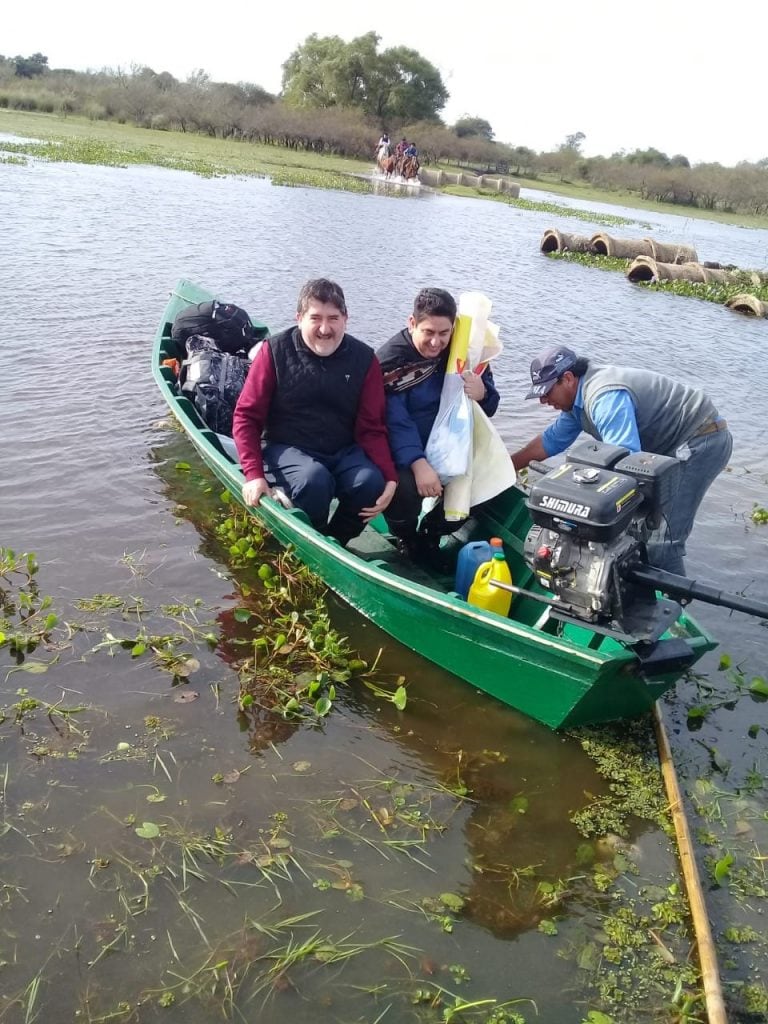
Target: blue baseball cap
{"points": [[548, 367]]}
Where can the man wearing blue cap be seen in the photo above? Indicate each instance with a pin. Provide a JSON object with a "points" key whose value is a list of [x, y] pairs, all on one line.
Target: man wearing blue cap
{"points": [[641, 411]]}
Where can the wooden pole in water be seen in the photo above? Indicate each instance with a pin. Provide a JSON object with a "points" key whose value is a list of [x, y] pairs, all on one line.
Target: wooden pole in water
{"points": [[710, 972]]}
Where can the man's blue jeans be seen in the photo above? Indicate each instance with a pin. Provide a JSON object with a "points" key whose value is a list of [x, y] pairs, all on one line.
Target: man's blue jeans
{"points": [[707, 457]]}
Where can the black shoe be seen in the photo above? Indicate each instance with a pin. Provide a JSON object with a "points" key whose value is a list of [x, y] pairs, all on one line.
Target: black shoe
{"points": [[424, 550]]}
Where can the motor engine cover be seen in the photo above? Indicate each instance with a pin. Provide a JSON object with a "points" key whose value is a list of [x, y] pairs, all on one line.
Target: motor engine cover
{"points": [[591, 502]]}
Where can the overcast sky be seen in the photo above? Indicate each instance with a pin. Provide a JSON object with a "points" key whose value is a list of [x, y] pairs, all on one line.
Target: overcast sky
{"points": [[676, 76]]}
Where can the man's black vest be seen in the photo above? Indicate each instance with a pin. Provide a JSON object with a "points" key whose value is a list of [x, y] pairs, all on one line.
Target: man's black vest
{"points": [[315, 404]]}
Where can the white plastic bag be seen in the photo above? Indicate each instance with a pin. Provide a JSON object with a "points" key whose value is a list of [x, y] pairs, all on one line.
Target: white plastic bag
{"points": [[450, 441]]}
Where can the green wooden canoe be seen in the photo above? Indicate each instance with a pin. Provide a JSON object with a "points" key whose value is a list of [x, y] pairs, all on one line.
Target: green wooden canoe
{"points": [[562, 674]]}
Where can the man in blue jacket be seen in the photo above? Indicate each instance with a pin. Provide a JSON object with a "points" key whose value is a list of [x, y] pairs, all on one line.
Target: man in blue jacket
{"points": [[639, 410], [414, 363]]}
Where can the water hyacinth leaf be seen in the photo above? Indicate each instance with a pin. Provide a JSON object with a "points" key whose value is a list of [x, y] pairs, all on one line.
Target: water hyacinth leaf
{"points": [[186, 697], [183, 467], [243, 614], [266, 572], [519, 805], [596, 1017], [698, 711], [724, 663], [147, 830], [138, 649], [322, 706], [34, 668], [400, 698], [585, 854], [723, 868], [759, 687], [452, 901], [50, 621], [246, 701], [753, 730], [156, 798]]}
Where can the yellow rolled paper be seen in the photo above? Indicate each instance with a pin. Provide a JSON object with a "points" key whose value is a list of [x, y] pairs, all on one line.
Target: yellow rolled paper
{"points": [[470, 328], [459, 347]]}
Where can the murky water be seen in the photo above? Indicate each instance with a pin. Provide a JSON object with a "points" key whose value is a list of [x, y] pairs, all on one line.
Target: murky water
{"points": [[368, 819]]}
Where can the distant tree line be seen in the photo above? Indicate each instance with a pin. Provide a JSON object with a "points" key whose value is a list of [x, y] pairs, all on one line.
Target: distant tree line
{"points": [[337, 97]]}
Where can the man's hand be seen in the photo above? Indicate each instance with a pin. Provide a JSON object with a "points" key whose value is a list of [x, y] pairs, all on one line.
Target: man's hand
{"points": [[382, 502], [473, 386], [533, 451], [254, 491], [427, 481]]}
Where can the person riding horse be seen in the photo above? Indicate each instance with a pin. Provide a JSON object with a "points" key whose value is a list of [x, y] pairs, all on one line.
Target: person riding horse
{"points": [[408, 164]]}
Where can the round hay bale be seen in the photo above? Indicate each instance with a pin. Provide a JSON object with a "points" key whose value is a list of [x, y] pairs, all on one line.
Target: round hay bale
{"points": [[622, 248], [558, 241], [672, 252], [747, 304]]}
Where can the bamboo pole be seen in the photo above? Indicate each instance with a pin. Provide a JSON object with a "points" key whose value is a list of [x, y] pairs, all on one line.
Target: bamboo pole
{"points": [[710, 972]]}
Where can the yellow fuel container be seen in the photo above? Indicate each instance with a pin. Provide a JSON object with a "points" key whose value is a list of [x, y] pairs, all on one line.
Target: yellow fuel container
{"points": [[483, 594]]}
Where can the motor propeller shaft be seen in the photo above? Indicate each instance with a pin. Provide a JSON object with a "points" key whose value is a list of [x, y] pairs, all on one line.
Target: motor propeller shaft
{"points": [[688, 590]]}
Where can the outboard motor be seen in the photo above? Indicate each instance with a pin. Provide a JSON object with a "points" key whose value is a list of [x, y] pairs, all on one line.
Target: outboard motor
{"points": [[592, 518]]}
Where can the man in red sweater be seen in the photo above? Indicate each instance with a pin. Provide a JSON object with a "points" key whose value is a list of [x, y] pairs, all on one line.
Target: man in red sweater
{"points": [[311, 419]]}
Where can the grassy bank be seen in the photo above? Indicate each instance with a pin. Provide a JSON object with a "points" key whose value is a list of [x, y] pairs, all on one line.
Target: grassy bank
{"points": [[116, 144]]}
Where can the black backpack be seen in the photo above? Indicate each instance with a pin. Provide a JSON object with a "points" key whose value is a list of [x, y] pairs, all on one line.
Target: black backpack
{"points": [[213, 380], [229, 325]]}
